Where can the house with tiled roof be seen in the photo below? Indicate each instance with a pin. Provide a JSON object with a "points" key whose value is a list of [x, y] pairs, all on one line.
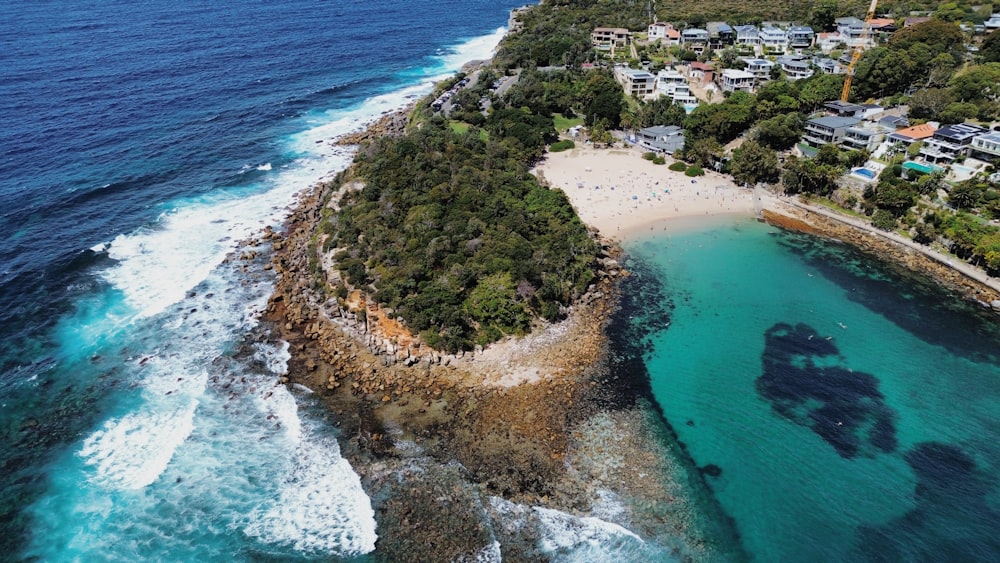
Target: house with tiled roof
{"points": [[910, 135]]}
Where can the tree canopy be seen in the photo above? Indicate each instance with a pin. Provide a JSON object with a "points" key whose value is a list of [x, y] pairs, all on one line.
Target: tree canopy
{"points": [[452, 234]]}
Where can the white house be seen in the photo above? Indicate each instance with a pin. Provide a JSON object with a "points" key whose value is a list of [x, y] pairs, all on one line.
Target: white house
{"points": [[760, 68], [773, 40], [674, 85], [993, 23], [737, 80], [657, 31], [801, 37], [986, 147], [747, 35], [795, 67], [668, 139]]}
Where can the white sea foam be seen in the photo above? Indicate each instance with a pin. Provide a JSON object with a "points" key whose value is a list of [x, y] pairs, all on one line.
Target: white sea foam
{"points": [[274, 357], [567, 533], [203, 440], [565, 537], [321, 506], [131, 451], [264, 167], [477, 48]]}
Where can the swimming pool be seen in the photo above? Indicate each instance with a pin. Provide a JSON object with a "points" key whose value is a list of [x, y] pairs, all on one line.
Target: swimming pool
{"points": [[866, 173], [922, 168]]}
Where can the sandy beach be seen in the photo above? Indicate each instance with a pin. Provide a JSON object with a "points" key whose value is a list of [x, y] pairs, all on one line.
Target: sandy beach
{"points": [[622, 194]]}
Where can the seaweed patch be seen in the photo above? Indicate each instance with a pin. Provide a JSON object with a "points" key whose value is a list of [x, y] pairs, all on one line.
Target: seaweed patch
{"points": [[805, 381]]}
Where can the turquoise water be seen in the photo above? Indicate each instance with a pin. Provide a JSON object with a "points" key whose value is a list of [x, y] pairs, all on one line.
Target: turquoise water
{"points": [[850, 410]]}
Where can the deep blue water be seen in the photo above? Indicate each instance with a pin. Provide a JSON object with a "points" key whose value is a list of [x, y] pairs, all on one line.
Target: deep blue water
{"points": [[140, 141]]}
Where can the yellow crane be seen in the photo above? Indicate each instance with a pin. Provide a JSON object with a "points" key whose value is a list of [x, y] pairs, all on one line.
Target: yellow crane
{"points": [[858, 50]]}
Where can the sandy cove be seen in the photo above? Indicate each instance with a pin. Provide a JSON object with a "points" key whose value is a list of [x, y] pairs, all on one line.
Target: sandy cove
{"points": [[622, 194]]}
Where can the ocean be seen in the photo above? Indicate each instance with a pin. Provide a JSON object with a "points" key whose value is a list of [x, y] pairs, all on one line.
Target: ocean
{"points": [[839, 408], [140, 410], [143, 141]]}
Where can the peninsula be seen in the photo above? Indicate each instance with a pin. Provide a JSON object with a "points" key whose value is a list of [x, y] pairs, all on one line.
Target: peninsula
{"points": [[450, 303]]}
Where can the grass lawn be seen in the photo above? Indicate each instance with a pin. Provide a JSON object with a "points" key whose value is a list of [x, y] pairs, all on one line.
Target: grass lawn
{"points": [[563, 124], [462, 128], [825, 202]]}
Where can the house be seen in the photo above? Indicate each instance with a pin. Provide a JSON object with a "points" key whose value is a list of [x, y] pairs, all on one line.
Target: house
{"points": [[720, 34], [986, 147], [829, 66], [795, 67], [850, 28], [911, 135], [992, 24], [949, 142], [637, 83], [674, 85], [882, 26], [657, 31], [826, 130], [871, 111], [801, 37], [664, 33], [660, 138], [737, 80], [895, 121], [864, 136], [695, 39], [829, 41], [844, 109], [608, 37], [747, 35], [773, 40], [760, 68], [702, 72]]}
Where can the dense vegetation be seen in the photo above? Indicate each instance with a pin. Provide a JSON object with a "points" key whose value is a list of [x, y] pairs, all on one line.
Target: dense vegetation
{"points": [[454, 235]]}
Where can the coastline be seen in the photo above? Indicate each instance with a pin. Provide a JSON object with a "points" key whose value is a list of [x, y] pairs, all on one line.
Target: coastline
{"points": [[546, 422], [536, 424]]}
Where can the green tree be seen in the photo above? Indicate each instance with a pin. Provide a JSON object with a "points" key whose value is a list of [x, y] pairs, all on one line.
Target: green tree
{"points": [[989, 51], [965, 195], [928, 103], [780, 132], [978, 83], [753, 163], [823, 15], [602, 99], [806, 176], [494, 303]]}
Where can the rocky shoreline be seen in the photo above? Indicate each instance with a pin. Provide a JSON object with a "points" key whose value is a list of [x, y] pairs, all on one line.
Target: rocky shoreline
{"points": [[463, 454], [800, 219], [450, 447]]}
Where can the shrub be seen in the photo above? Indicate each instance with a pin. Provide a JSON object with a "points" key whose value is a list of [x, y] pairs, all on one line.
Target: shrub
{"points": [[562, 145], [693, 171], [649, 155], [678, 166], [659, 160], [883, 219]]}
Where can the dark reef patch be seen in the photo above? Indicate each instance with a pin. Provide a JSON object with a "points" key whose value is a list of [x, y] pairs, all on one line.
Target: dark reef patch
{"points": [[926, 310], [842, 406], [952, 520]]}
